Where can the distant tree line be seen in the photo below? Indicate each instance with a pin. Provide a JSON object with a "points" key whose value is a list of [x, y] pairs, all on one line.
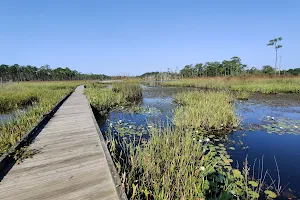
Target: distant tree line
{"points": [[159, 76], [44, 73], [295, 72], [232, 67]]}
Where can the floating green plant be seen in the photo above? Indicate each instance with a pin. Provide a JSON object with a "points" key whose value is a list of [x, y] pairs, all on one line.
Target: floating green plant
{"points": [[149, 111], [281, 125]]}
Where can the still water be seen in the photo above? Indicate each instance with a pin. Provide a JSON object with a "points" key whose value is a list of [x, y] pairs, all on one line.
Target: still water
{"points": [[270, 131]]}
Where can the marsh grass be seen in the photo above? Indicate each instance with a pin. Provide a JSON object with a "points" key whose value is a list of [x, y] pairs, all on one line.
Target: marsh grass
{"points": [[19, 95], [205, 110], [96, 85], [242, 95], [163, 167], [203, 83], [119, 94], [47, 94], [250, 84], [11, 101], [179, 163], [131, 91]]}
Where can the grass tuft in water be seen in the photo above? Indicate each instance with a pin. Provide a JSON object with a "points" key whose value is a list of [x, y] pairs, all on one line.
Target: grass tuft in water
{"points": [[242, 95], [103, 97], [206, 111]]}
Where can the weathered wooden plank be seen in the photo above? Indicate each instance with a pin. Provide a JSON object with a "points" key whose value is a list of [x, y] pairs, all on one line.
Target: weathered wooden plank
{"points": [[71, 163]]}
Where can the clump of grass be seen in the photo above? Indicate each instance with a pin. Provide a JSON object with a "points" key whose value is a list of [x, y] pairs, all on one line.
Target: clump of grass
{"points": [[120, 94], [250, 84], [164, 167], [242, 95], [48, 94], [205, 110], [131, 91], [11, 101], [177, 163]]}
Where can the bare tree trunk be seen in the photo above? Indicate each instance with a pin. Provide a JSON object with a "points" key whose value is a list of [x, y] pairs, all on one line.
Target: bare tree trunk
{"points": [[276, 63], [279, 65]]}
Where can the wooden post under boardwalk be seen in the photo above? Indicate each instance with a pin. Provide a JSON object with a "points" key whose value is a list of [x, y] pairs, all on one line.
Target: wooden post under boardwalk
{"points": [[71, 162]]}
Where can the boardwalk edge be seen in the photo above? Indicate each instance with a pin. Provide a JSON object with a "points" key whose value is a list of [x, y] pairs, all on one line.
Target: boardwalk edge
{"points": [[113, 172]]}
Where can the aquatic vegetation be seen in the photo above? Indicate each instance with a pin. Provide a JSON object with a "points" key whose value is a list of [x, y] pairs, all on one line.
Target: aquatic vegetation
{"points": [[249, 84], [131, 91], [127, 129], [205, 110], [10, 100], [267, 85], [204, 83], [149, 111], [242, 95], [276, 125], [47, 94], [170, 162], [177, 163], [119, 94], [281, 125]]}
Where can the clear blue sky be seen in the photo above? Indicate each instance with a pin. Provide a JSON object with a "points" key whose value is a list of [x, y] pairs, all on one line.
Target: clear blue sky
{"points": [[132, 37]]}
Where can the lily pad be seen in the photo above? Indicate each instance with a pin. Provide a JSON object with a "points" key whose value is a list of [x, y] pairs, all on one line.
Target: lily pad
{"points": [[236, 173], [254, 195], [253, 183], [270, 194]]}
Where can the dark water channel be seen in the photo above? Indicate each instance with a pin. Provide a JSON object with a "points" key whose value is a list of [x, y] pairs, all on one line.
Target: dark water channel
{"points": [[270, 127]]}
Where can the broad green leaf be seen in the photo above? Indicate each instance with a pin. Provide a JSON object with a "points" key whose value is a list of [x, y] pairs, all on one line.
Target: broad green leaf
{"points": [[270, 194], [253, 183]]}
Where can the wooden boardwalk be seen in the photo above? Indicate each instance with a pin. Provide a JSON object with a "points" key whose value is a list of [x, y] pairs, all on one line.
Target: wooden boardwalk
{"points": [[71, 163]]}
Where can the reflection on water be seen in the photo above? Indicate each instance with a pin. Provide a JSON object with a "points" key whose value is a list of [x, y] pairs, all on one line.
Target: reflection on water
{"points": [[255, 141]]}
